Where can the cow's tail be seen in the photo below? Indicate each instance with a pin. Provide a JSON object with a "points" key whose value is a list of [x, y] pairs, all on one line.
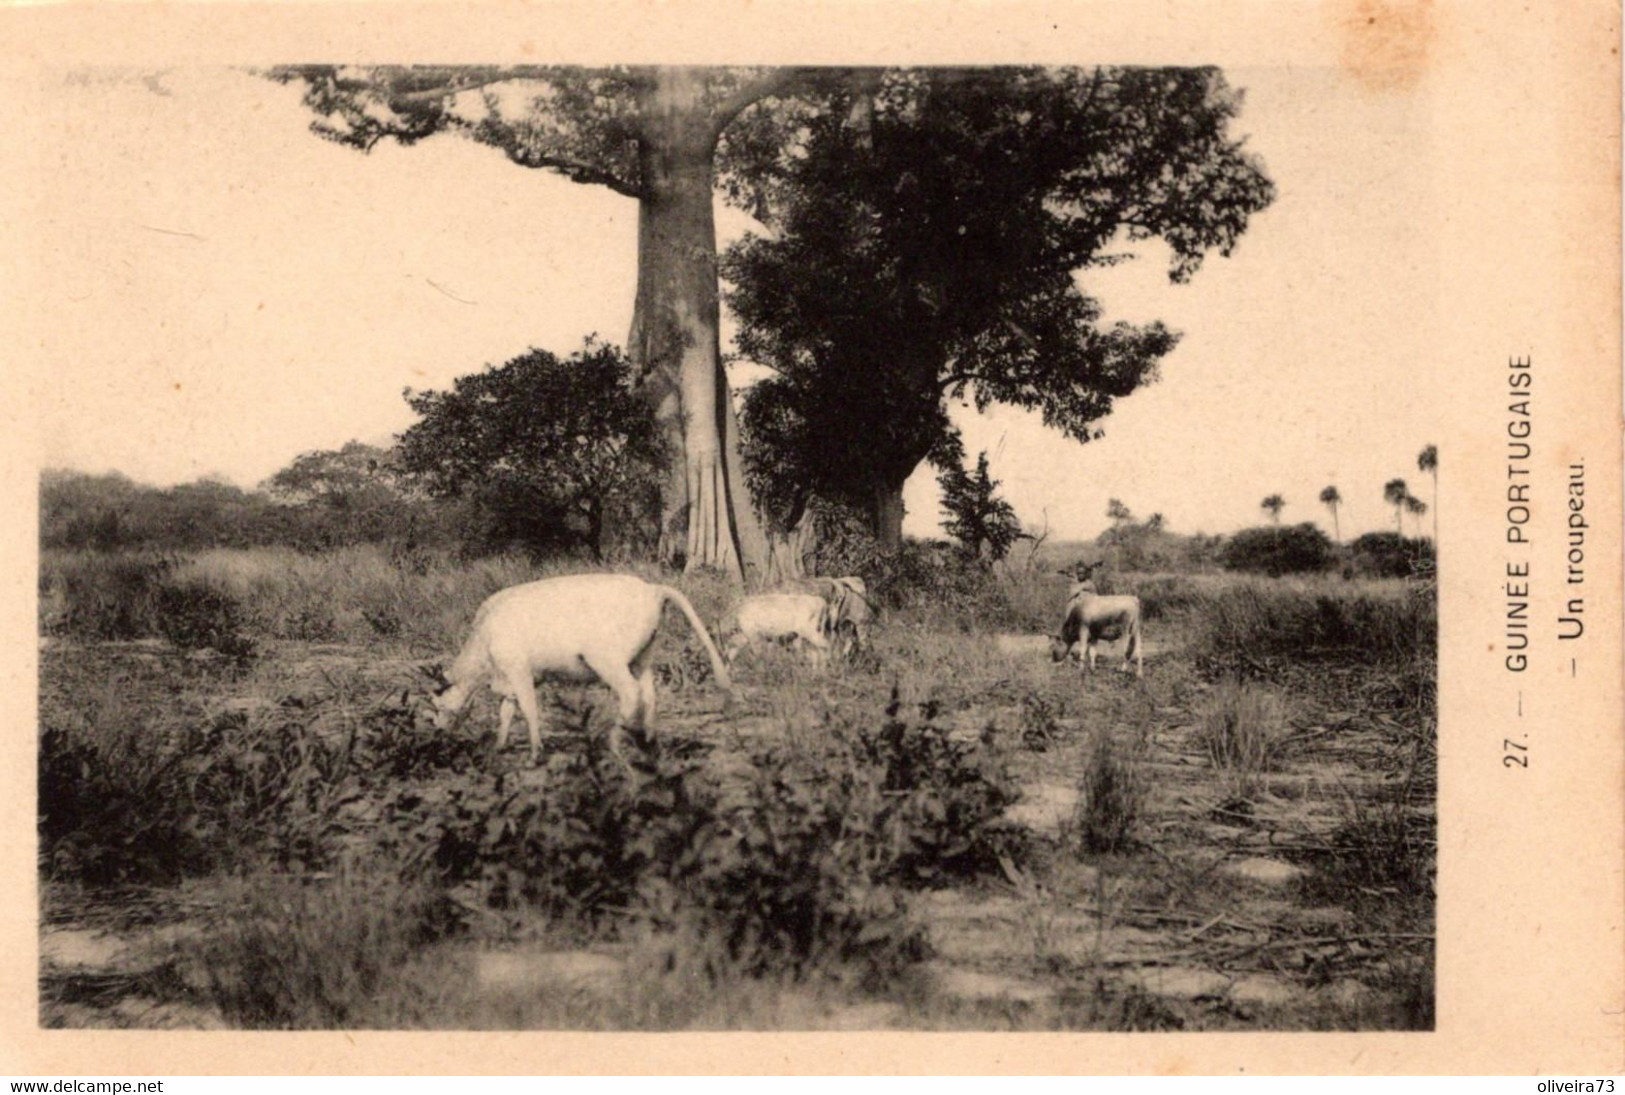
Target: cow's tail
{"points": [[717, 667], [1133, 648]]}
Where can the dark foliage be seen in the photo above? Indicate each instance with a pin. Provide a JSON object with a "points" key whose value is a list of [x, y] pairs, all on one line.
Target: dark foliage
{"points": [[984, 524], [927, 227], [1389, 555], [554, 454], [1274, 550], [196, 616], [791, 858]]}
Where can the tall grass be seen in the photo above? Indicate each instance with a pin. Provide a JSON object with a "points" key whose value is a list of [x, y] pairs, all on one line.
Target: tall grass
{"points": [[1241, 730], [1372, 623], [291, 953], [355, 595], [100, 595], [1111, 795]]}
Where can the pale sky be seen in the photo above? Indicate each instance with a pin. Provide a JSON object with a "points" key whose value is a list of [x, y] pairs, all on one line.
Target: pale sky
{"points": [[219, 291]]}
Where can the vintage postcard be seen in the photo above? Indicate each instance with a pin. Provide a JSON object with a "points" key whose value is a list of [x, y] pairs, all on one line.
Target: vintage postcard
{"points": [[886, 538]]}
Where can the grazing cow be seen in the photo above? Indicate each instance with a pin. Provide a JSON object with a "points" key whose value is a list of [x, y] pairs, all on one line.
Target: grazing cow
{"points": [[1091, 617], [781, 617], [581, 628], [851, 611]]}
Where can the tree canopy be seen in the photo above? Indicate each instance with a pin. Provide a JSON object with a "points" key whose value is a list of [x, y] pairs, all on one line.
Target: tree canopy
{"points": [[984, 524], [650, 133], [549, 450], [929, 227], [934, 251]]}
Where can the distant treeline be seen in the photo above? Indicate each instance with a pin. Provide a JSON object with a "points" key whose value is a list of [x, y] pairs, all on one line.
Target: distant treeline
{"points": [[347, 497], [112, 512]]}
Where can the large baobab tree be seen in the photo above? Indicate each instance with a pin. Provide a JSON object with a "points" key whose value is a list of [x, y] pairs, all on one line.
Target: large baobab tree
{"points": [[1273, 505], [1331, 499], [651, 134], [1428, 460], [1144, 153], [1394, 492]]}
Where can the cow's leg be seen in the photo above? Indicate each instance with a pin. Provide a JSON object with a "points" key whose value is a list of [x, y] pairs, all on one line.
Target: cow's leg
{"points": [[517, 685], [817, 652], [505, 720], [643, 671], [628, 699], [532, 711]]}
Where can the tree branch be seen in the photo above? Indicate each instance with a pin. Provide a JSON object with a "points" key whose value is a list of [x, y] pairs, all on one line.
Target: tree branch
{"points": [[578, 171], [457, 87], [766, 86]]}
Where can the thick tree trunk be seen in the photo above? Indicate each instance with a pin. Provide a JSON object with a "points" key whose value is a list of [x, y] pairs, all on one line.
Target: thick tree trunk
{"points": [[674, 340], [787, 553], [888, 515]]}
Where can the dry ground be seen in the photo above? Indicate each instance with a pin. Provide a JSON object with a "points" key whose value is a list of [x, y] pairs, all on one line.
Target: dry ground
{"points": [[1292, 891]]}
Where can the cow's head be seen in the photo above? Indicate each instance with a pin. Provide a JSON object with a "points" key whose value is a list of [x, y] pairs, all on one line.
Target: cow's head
{"points": [[447, 699]]}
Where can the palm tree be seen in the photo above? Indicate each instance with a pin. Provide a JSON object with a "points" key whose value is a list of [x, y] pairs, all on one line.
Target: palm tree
{"points": [[1274, 504], [1331, 500], [1394, 492], [1428, 460], [1416, 507]]}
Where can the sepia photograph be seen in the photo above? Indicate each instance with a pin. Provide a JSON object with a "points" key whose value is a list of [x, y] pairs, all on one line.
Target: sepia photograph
{"points": [[647, 545]]}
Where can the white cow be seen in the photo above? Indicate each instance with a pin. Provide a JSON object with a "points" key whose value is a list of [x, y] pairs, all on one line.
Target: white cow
{"points": [[583, 627], [794, 617], [1091, 617]]}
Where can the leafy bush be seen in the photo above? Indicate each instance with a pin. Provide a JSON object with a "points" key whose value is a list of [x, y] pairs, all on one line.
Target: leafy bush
{"points": [[196, 616], [792, 857], [1389, 555], [948, 798], [113, 806], [129, 796], [1272, 550], [272, 785]]}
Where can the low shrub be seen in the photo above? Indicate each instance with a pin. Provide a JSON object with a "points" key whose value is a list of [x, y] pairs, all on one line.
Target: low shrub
{"points": [[131, 796], [794, 856], [1277, 550], [1390, 555], [113, 801], [195, 616]]}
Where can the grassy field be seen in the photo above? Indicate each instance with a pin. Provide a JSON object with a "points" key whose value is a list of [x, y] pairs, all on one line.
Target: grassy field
{"points": [[247, 819]]}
